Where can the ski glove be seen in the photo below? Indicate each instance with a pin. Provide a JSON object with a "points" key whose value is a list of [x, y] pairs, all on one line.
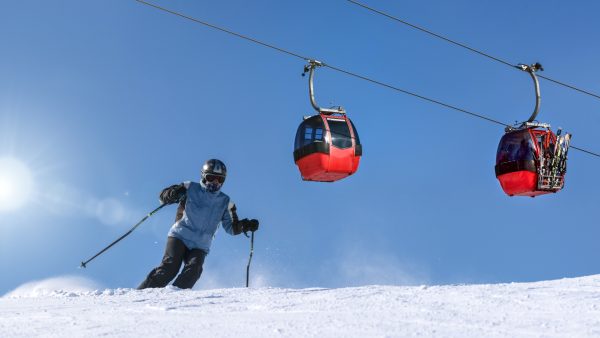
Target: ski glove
{"points": [[249, 225], [173, 194]]}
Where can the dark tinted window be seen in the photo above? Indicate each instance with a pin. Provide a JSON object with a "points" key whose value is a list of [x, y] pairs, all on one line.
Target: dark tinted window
{"points": [[310, 130], [515, 146], [340, 133]]}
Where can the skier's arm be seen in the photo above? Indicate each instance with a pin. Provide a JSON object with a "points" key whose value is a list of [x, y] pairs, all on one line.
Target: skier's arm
{"points": [[230, 221], [173, 194], [235, 226]]}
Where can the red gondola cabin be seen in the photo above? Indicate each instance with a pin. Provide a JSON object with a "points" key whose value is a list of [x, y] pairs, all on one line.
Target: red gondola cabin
{"points": [[327, 148], [531, 162]]}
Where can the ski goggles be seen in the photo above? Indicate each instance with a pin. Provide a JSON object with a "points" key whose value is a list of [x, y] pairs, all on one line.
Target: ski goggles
{"points": [[212, 178]]}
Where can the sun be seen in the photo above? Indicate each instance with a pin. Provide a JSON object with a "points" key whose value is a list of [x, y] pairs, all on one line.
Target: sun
{"points": [[16, 183]]}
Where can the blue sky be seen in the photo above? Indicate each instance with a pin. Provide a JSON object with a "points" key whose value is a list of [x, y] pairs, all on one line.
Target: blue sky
{"points": [[108, 102]]}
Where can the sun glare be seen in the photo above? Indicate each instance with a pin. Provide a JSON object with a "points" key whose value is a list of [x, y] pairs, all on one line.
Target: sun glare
{"points": [[16, 183]]}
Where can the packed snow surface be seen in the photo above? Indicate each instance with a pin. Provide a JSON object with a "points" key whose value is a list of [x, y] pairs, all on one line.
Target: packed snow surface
{"points": [[560, 308]]}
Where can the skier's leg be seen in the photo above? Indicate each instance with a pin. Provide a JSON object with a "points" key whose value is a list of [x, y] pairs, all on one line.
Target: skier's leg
{"points": [[160, 276], [194, 259]]}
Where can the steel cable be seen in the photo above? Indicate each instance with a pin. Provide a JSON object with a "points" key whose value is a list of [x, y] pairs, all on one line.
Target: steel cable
{"points": [[365, 78], [467, 47]]}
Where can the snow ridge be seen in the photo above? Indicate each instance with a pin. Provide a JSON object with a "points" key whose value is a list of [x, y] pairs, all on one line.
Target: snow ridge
{"points": [[560, 308]]}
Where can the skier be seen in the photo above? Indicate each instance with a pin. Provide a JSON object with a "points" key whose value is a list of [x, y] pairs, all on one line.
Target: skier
{"points": [[202, 206]]}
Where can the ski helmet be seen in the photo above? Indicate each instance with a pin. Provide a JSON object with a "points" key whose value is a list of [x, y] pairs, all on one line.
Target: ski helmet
{"points": [[213, 174]]}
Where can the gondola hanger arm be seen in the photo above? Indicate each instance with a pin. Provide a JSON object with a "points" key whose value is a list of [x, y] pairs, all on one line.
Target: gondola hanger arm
{"points": [[531, 69], [310, 68]]}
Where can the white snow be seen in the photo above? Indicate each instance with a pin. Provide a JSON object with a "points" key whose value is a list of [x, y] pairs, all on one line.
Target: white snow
{"points": [[559, 308], [52, 286]]}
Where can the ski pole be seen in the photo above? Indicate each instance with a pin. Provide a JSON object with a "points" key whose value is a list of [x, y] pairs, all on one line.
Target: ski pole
{"points": [[83, 264], [250, 259]]}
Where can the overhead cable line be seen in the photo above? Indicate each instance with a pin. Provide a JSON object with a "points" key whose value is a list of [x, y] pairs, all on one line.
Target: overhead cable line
{"points": [[223, 30], [281, 50], [414, 94], [468, 48], [585, 151]]}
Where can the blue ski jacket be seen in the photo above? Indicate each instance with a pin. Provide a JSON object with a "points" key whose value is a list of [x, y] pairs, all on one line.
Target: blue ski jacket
{"points": [[200, 214]]}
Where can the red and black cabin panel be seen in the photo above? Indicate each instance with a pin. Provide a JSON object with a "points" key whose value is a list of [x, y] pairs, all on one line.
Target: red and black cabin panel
{"points": [[327, 148], [519, 158]]}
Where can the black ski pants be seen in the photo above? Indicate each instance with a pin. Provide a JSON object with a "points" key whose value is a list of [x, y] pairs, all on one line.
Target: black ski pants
{"points": [[175, 253]]}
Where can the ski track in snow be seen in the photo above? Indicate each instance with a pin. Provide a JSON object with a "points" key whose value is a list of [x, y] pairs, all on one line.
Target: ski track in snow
{"points": [[559, 308]]}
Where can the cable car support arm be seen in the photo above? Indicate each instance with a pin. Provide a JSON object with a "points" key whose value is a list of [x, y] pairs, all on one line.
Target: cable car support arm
{"points": [[310, 68], [531, 70]]}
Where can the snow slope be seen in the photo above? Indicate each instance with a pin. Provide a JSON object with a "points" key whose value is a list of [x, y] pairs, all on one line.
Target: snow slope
{"points": [[560, 308]]}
